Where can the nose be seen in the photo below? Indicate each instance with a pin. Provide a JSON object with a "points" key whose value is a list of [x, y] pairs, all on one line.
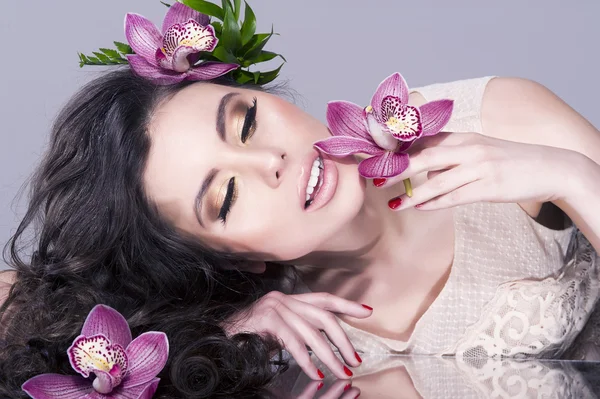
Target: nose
{"points": [[267, 163]]}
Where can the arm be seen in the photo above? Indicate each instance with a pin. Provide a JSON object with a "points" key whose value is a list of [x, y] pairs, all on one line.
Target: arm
{"points": [[524, 111]]}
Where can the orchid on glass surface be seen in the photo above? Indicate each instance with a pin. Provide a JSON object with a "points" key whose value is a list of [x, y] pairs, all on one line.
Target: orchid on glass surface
{"points": [[385, 129], [121, 368], [169, 57]]}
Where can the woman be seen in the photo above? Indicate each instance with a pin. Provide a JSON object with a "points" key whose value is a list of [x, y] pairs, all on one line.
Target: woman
{"points": [[193, 183]]}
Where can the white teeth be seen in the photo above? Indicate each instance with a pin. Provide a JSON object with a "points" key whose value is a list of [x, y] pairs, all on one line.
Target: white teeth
{"points": [[317, 166]]}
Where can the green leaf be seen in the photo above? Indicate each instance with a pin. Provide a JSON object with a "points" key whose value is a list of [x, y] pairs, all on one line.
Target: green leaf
{"points": [[224, 55], [112, 54], [237, 7], [266, 77], [231, 37], [218, 27], [249, 25], [102, 57], [124, 48], [167, 4], [205, 7], [256, 76], [266, 56], [255, 50], [242, 76]]}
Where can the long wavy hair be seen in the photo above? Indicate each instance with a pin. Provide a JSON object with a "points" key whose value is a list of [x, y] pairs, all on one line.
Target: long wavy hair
{"points": [[91, 235]]}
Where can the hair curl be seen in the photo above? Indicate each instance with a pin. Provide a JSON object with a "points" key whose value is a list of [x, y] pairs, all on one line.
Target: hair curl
{"points": [[98, 239]]}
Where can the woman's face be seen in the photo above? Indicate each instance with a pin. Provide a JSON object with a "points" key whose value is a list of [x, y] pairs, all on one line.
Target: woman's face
{"points": [[240, 185]]}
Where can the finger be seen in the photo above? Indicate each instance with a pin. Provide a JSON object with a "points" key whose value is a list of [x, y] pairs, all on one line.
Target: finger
{"points": [[335, 304], [316, 341], [295, 345], [326, 321], [427, 158], [474, 192], [441, 184]]}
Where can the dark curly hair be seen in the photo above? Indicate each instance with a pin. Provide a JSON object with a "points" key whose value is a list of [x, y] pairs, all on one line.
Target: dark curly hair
{"points": [[92, 236]]}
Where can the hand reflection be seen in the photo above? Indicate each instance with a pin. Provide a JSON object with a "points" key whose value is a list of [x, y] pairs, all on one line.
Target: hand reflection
{"points": [[401, 376], [338, 389]]}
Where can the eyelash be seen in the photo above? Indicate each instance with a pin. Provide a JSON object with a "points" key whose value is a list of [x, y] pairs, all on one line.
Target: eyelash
{"points": [[230, 198], [231, 195], [249, 122]]}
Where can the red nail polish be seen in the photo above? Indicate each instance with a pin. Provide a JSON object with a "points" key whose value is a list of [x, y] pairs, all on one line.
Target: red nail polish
{"points": [[367, 307], [348, 372], [379, 182], [320, 386], [357, 395], [321, 375], [394, 203], [347, 387], [357, 357]]}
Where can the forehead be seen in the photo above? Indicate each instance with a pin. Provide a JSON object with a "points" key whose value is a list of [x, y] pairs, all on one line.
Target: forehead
{"points": [[184, 142]]}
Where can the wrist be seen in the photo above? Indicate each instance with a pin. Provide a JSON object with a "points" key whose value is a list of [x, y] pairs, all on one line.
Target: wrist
{"points": [[581, 181]]}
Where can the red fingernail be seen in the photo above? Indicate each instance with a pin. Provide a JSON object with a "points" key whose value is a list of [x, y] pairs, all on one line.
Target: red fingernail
{"points": [[348, 372], [357, 357], [395, 202], [367, 307], [320, 386], [357, 395], [321, 375], [379, 182], [347, 387]]}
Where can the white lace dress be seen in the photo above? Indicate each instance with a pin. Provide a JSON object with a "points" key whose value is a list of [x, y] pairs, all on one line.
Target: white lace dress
{"points": [[516, 288]]}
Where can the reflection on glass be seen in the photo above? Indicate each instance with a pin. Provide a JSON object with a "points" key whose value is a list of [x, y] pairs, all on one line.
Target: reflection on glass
{"points": [[399, 376]]}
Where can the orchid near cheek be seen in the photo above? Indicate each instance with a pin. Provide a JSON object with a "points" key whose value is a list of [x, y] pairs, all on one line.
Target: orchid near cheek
{"points": [[384, 129]]}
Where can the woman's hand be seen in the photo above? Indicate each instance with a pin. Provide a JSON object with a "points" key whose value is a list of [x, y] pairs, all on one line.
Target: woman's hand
{"points": [[297, 320], [469, 167]]}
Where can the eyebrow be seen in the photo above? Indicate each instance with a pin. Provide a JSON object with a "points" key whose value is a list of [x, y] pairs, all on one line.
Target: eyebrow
{"points": [[221, 112], [201, 193]]}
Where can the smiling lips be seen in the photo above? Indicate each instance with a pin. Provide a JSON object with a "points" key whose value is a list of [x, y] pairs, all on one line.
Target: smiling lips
{"points": [[318, 181]]}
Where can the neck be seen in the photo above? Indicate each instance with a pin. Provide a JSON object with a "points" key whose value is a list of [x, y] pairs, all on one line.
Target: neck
{"points": [[377, 235]]}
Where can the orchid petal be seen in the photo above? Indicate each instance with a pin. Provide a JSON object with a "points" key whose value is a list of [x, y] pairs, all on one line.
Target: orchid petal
{"points": [[401, 120], [435, 115], [210, 70], [147, 356], [181, 40], [156, 74], [386, 165], [395, 86], [383, 138], [143, 37], [49, 386], [108, 322], [142, 391], [341, 146], [88, 354], [347, 119], [179, 13]]}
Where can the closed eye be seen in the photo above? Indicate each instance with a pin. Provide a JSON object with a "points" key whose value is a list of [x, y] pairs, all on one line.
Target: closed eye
{"points": [[249, 122]]}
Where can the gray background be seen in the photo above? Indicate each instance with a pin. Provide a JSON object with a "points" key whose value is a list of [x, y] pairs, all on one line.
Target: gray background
{"points": [[336, 49]]}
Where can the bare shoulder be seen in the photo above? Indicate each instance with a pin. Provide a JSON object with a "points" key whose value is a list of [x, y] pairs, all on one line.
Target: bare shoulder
{"points": [[523, 110]]}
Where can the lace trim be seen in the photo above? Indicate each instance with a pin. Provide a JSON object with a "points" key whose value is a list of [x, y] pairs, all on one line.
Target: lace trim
{"points": [[533, 318]]}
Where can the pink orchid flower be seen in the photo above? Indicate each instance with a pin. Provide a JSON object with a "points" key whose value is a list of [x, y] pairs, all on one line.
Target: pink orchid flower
{"points": [[385, 129], [169, 57], [121, 368]]}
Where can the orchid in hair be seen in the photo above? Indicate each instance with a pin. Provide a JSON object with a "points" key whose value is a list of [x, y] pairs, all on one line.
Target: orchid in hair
{"points": [[385, 129], [191, 47], [110, 364]]}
